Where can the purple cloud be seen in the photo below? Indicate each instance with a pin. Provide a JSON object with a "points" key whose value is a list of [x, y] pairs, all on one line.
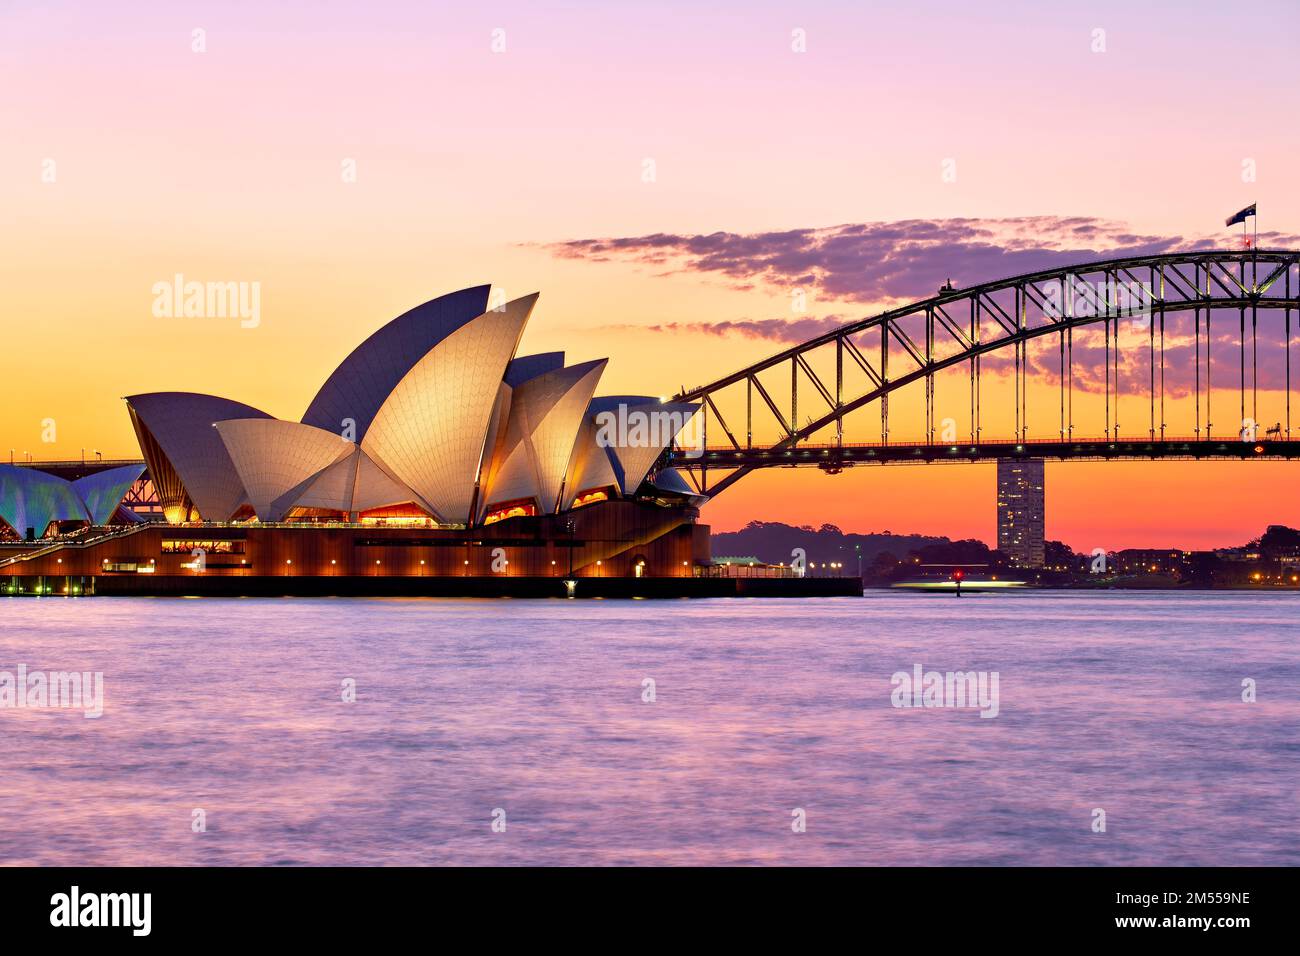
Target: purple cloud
{"points": [[775, 330], [883, 261], [883, 264]]}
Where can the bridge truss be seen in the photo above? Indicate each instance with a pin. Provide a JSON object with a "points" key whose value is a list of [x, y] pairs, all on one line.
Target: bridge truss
{"points": [[863, 363]]}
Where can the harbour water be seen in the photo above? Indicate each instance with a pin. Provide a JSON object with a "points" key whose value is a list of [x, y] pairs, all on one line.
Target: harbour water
{"points": [[538, 714]]}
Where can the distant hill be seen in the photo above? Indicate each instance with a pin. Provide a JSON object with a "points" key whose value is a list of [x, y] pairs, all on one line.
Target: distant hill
{"points": [[773, 541]]}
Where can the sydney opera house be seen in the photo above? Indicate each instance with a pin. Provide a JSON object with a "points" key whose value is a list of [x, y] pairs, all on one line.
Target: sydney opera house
{"points": [[433, 452]]}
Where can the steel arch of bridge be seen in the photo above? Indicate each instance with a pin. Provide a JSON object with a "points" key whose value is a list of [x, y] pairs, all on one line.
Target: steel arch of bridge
{"points": [[1017, 310]]}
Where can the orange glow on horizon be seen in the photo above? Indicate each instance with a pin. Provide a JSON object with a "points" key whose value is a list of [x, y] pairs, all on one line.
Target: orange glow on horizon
{"points": [[135, 160]]}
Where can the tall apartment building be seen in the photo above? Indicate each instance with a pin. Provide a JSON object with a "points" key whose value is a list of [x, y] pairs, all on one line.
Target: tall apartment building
{"points": [[1020, 511]]}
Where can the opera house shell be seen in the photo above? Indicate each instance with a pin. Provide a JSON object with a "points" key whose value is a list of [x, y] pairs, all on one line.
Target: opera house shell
{"points": [[433, 420]]}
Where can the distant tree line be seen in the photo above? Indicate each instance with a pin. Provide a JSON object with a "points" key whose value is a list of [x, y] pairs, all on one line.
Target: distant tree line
{"points": [[883, 558]]}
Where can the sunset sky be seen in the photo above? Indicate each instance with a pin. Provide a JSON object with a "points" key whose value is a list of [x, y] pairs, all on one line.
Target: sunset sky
{"points": [[666, 175]]}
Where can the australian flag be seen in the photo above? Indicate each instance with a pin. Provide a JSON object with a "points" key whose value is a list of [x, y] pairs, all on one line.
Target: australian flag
{"points": [[1241, 216]]}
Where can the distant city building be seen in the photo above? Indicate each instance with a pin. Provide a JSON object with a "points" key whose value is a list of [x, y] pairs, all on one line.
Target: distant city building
{"points": [[1020, 512], [1239, 555], [1150, 560]]}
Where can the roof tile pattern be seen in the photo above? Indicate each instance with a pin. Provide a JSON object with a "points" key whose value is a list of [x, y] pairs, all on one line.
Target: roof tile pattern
{"points": [[358, 387], [181, 426], [432, 427], [546, 412], [634, 430], [275, 457]]}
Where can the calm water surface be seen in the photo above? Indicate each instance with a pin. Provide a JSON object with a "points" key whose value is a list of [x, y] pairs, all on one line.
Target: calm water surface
{"points": [[1127, 702]]}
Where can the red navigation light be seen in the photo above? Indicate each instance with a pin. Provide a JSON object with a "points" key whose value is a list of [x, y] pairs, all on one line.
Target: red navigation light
{"points": [[958, 575]]}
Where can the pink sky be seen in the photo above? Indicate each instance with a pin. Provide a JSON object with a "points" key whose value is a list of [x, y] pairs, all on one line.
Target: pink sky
{"points": [[472, 165]]}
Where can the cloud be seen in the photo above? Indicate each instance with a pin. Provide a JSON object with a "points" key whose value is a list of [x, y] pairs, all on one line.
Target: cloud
{"points": [[776, 330], [883, 263], [880, 265]]}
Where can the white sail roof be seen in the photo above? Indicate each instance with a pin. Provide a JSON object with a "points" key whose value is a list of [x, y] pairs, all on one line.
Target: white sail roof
{"points": [[525, 367], [590, 467], [546, 413], [352, 485], [273, 458], [634, 430], [331, 488], [432, 427], [180, 423], [377, 486], [363, 381]]}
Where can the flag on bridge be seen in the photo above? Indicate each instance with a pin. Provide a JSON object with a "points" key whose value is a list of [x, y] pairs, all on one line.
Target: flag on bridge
{"points": [[1241, 216]]}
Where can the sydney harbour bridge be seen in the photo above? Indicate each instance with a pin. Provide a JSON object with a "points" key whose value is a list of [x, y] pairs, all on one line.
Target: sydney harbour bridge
{"points": [[1174, 356]]}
